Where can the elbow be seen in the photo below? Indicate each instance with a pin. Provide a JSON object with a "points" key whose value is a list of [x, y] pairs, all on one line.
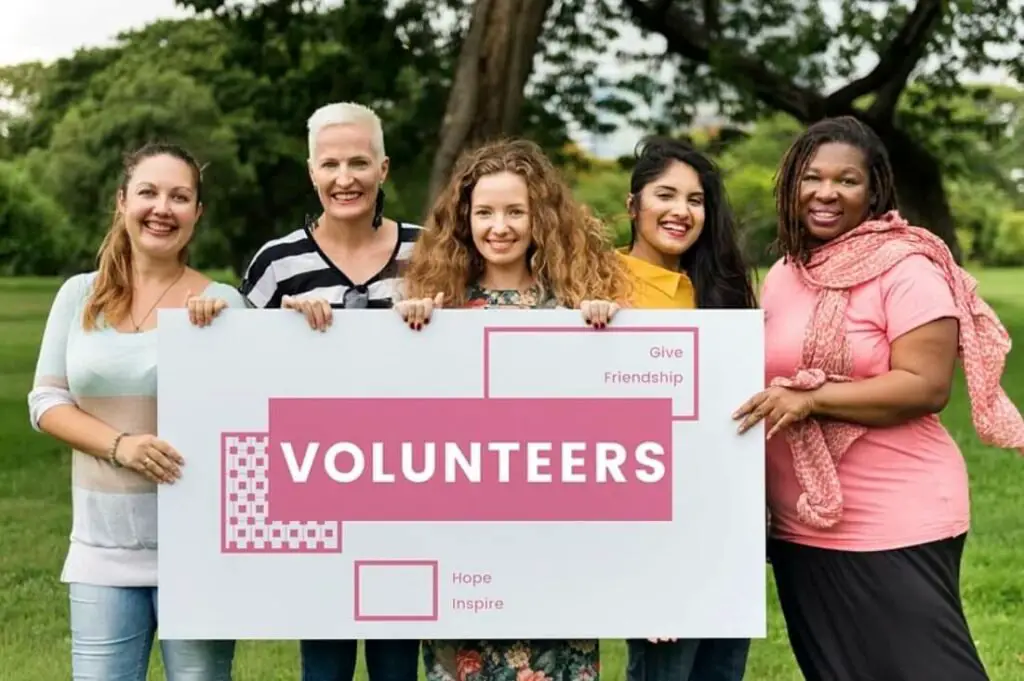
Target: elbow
{"points": [[936, 397]]}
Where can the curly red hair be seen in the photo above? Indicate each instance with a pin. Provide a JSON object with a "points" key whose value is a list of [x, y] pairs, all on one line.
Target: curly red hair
{"points": [[572, 256]]}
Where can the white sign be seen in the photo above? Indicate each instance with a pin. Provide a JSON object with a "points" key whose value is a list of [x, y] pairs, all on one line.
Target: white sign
{"points": [[498, 474]]}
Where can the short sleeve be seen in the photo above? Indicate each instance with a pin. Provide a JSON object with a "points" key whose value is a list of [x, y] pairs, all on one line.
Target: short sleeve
{"points": [[259, 285], [51, 365], [914, 293]]}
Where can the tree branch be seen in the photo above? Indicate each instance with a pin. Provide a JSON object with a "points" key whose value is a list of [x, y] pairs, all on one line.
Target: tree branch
{"points": [[689, 39], [890, 75]]}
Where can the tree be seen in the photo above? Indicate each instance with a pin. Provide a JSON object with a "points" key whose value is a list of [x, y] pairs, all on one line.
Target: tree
{"points": [[776, 55], [485, 100]]}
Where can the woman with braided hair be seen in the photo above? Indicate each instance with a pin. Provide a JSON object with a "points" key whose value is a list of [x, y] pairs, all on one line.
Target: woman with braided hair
{"points": [[865, 317]]}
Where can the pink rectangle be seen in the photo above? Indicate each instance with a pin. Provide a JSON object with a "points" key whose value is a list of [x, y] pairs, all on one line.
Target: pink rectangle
{"points": [[368, 459], [692, 330], [357, 596]]}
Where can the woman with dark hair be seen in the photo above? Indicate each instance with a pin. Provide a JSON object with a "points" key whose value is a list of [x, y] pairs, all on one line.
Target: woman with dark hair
{"points": [[684, 253], [865, 318]]}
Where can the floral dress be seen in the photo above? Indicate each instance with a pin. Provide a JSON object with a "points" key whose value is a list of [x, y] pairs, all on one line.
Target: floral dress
{"points": [[511, 660]]}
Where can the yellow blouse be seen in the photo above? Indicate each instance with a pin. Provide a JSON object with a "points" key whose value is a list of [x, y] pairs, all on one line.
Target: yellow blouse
{"points": [[658, 288]]}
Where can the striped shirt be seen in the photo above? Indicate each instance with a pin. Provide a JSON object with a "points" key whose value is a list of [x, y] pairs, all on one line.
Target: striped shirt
{"points": [[294, 265], [111, 376]]}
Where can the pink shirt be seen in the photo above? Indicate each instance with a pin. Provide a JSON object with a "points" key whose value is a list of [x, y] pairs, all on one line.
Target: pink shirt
{"points": [[902, 485]]}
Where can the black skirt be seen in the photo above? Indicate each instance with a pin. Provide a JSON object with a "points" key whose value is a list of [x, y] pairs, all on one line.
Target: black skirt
{"points": [[878, 615]]}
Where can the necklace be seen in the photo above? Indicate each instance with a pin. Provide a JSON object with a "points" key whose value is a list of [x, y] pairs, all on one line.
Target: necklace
{"points": [[138, 325]]}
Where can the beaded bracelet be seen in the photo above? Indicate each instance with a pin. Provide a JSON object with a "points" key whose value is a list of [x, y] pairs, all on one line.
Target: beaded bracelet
{"points": [[112, 452]]}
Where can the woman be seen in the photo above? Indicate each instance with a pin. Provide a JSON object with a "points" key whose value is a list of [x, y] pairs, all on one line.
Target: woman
{"points": [[95, 390], [507, 233], [683, 253], [351, 255], [868, 492]]}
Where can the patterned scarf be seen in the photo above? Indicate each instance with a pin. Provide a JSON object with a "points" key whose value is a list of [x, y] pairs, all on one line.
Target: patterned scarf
{"points": [[859, 256]]}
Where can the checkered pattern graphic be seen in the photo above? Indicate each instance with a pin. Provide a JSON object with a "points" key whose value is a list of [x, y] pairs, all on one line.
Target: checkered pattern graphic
{"points": [[246, 502]]}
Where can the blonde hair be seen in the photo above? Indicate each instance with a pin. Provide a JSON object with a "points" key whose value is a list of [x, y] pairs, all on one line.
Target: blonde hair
{"points": [[111, 295], [571, 256], [347, 113]]}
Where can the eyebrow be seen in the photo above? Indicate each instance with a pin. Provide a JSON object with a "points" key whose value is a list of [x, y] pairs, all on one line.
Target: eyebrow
{"points": [[180, 188]]}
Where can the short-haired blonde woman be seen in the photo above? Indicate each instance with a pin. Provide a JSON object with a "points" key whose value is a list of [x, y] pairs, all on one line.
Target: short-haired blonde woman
{"points": [[95, 390]]}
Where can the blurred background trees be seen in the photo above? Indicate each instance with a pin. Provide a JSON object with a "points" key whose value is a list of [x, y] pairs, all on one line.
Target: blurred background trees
{"points": [[235, 83]]}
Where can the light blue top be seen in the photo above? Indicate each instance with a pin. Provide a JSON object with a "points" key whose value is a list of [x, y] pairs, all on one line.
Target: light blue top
{"points": [[112, 376]]}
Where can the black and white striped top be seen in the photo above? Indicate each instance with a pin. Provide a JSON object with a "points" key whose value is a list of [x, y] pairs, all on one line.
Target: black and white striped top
{"points": [[294, 265]]}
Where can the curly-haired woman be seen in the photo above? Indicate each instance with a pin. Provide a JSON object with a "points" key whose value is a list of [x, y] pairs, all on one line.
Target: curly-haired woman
{"points": [[506, 232]]}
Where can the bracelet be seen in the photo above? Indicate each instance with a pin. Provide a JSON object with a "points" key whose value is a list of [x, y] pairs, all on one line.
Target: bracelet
{"points": [[112, 452]]}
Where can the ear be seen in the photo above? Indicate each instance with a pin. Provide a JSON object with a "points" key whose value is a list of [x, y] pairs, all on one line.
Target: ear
{"points": [[199, 211], [630, 205], [385, 165], [309, 169], [120, 200]]}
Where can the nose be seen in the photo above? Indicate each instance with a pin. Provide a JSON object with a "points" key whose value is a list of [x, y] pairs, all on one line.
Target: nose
{"points": [[163, 204], [825, 191]]}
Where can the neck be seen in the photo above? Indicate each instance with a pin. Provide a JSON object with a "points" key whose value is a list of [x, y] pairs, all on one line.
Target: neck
{"points": [[641, 250], [506, 278], [349, 233], [151, 270]]}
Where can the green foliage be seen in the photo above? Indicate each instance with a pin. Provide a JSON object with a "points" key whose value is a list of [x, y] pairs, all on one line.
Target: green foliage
{"points": [[604, 190], [35, 236]]}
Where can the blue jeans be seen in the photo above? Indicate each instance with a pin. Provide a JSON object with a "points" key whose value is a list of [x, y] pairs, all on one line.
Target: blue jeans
{"points": [[112, 632], [710, 659], [389, 660]]}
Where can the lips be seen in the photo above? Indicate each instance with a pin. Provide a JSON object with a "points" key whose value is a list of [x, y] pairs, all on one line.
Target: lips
{"points": [[825, 217], [159, 227], [501, 245], [676, 230], [346, 197]]}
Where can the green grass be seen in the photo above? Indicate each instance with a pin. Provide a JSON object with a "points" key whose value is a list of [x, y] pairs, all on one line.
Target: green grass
{"points": [[35, 519]]}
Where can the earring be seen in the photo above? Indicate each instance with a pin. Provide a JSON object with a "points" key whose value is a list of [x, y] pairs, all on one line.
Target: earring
{"points": [[378, 210]]}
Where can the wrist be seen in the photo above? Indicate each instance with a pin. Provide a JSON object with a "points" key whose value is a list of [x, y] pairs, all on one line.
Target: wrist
{"points": [[114, 447]]}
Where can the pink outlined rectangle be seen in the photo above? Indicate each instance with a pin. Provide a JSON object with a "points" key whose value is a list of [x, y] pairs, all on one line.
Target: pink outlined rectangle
{"points": [[435, 579], [693, 330]]}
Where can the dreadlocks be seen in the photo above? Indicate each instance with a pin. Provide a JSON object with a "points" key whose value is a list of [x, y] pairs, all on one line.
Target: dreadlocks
{"points": [[792, 237]]}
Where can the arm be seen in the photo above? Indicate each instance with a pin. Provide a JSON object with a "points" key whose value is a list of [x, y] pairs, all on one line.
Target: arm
{"points": [[52, 407], [918, 383]]}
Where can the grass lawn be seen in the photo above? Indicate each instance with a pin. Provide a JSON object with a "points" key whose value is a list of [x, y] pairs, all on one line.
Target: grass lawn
{"points": [[35, 520]]}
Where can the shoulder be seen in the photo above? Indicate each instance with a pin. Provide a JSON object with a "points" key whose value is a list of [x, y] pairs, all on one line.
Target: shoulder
{"points": [[293, 243], [228, 294], [780, 275], [77, 287], [912, 268], [408, 234]]}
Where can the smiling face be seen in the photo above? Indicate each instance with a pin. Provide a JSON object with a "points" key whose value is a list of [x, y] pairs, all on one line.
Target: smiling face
{"points": [[346, 172], [834, 191], [669, 214], [160, 206], [499, 219]]}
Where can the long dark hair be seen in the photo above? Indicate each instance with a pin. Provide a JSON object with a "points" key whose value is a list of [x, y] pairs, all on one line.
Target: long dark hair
{"points": [[792, 238], [714, 263]]}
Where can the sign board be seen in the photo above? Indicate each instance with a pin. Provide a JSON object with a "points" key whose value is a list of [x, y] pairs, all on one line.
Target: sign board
{"points": [[499, 474]]}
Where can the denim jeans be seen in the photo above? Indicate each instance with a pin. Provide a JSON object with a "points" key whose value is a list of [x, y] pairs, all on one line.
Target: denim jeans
{"points": [[388, 660], [709, 659], [112, 632]]}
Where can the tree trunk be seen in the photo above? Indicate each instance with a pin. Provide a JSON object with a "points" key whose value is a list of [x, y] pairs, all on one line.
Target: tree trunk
{"points": [[486, 97], [919, 190]]}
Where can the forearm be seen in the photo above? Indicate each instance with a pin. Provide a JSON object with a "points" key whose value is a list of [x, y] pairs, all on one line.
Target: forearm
{"points": [[78, 429], [887, 400]]}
